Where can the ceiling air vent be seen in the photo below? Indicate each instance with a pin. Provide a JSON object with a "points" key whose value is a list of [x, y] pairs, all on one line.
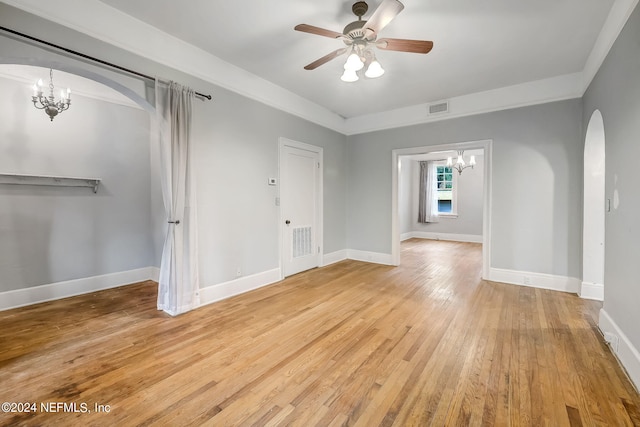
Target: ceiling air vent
{"points": [[440, 107]]}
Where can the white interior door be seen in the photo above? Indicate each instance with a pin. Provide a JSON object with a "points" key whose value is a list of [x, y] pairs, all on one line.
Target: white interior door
{"points": [[300, 208]]}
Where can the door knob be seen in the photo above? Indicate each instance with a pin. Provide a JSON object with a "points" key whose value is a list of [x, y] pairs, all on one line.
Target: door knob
{"points": [[287, 222]]}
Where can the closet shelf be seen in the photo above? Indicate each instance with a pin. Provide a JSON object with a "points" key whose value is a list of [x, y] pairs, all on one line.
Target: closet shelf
{"points": [[61, 181]]}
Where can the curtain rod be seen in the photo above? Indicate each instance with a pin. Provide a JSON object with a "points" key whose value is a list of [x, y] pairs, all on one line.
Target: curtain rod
{"points": [[82, 55]]}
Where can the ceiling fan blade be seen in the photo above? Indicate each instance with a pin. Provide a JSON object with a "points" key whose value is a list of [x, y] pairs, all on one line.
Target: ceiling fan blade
{"points": [[404, 45], [318, 62], [317, 30], [384, 14]]}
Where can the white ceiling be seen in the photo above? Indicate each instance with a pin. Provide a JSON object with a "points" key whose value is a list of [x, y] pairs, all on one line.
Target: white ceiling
{"points": [[478, 45]]}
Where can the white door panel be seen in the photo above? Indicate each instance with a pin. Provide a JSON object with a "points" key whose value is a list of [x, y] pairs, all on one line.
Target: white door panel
{"points": [[299, 181]]}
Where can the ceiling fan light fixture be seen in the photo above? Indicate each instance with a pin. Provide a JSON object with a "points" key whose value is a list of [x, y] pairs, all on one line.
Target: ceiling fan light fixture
{"points": [[349, 76], [360, 37], [354, 63], [374, 70]]}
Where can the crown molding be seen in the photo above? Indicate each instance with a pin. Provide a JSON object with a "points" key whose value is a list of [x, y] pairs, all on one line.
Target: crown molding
{"points": [[615, 22], [97, 20], [538, 92]]}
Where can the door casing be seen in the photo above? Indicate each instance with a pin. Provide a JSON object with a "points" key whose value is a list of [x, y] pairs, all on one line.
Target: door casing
{"points": [[285, 142]]}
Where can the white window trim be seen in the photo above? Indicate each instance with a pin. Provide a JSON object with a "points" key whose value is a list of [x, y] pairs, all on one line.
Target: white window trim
{"points": [[454, 195]]}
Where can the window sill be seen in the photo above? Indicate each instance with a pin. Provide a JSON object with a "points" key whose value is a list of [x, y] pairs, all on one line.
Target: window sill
{"points": [[448, 215]]}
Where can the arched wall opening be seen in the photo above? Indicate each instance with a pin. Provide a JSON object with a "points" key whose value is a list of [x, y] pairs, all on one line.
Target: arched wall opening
{"points": [[62, 241], [82, 72], [593, 232]]}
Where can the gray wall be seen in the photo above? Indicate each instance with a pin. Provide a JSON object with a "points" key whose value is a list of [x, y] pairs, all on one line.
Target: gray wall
{"points": [[236, 146], [236, 152], [405, 194], [537, 181], [615, 91], [470, 201], [51, 234]]}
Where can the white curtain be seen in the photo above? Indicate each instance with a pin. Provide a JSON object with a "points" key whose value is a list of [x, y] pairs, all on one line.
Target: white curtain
{"points": [[178, 289], [428, 197]]}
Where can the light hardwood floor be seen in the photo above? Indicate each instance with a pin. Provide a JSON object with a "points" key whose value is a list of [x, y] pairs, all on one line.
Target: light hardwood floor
{"points": [[427, 343]]}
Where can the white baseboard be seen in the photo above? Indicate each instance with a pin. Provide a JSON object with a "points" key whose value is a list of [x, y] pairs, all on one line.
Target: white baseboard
{"points": [[624, 350], [374, 257], [155, 274], [224, 290], [535, 280], [452, 237], [406, 236], [594, 291], [333, 257], [36, 294]]}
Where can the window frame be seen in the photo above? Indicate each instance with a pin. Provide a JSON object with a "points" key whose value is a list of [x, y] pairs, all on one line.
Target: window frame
{"points": [[454, 191]]}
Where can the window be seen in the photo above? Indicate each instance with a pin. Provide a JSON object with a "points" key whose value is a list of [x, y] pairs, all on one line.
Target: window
{"points": [[447, 197]]}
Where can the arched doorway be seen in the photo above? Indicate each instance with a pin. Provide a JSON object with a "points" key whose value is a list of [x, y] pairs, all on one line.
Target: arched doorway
{"points": [[83, 73], [62, 240], [594, 210]]}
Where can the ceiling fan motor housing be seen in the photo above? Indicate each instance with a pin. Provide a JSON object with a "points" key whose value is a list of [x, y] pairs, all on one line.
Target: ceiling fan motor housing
{"points": [[353, 30]]}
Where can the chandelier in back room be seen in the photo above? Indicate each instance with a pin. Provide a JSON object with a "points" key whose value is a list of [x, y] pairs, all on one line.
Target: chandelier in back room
{"points": [[460, 164], [49, 104]]}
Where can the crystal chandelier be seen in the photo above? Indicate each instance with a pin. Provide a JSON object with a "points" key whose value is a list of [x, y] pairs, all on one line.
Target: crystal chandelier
{"points": [[49, 104], [460, 164]]}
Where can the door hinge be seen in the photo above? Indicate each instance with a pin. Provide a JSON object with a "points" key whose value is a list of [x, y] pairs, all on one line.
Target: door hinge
{"points": [[318, 249], [318, 165]]}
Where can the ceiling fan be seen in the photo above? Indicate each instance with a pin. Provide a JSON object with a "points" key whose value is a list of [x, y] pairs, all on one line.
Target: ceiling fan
{"points": [[360, 37]]}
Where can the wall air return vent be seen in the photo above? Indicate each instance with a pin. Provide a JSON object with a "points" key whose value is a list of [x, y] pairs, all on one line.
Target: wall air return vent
{"points": [[438, 108], [302, 244]]}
